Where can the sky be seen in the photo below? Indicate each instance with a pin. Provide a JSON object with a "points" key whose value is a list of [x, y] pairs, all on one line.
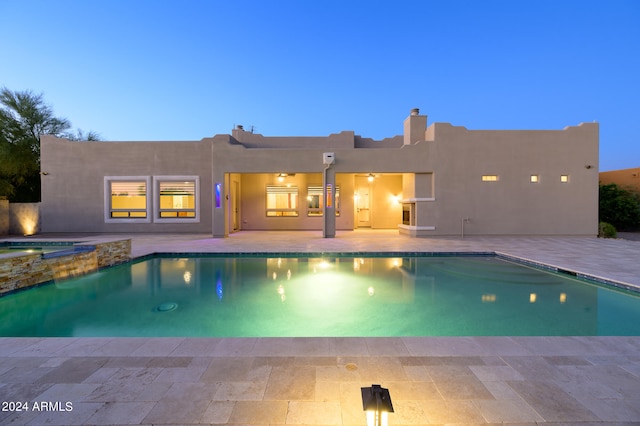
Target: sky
{"points": [[185, 70]]}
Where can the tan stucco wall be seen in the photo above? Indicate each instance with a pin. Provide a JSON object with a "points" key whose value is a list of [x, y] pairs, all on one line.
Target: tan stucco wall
{"points": [[445, 165], [514, 205], [73, 181], [457, 158]]}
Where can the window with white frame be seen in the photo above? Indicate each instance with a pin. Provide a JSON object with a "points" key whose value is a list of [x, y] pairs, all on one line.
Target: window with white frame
{"points": [[176, 199], [564, 178], [282, 201], [315, 201], [127, 199]]}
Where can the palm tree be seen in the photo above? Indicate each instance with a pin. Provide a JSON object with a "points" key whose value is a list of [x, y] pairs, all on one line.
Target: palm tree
{"points": [[24, 117]]}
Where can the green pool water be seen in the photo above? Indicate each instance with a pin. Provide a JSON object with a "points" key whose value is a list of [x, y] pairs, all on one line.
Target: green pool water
{"points": [[33, 249], [314, 297]]}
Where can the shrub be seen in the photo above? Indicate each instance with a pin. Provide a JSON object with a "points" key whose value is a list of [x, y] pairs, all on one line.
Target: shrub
{"points": [[619, 207], [606, 230]]}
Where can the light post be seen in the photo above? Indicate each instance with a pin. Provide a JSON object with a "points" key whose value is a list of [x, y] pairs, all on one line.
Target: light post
{"points": [[376, 402]]}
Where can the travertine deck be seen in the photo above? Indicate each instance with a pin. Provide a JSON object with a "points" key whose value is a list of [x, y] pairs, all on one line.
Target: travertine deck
{"points": [[432, 380]]}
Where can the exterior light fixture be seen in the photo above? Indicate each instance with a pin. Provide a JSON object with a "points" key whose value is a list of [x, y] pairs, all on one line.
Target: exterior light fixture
{"points": [[371, 177], [376, 402], [281, 177]]}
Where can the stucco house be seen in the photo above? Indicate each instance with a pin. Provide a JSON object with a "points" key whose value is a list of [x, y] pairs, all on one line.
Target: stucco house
{"points": [[436, 180]]}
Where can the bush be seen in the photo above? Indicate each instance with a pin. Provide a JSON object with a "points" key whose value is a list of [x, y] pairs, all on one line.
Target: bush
{"points": [[619, 207], [606, 230]]}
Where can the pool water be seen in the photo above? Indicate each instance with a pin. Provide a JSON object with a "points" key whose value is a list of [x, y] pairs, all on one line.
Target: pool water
{"points": [[32, 250], [35, 247], [314, 297]]}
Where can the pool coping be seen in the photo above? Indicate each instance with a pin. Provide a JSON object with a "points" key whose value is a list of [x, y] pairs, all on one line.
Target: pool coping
{"points": [[545, 266]]}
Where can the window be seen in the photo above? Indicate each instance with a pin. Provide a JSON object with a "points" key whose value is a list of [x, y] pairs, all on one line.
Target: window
{"points": [[176, 199], [489, 178], [564, 178], [315, 205], [535, 178], [126, 199], [282, 201]]}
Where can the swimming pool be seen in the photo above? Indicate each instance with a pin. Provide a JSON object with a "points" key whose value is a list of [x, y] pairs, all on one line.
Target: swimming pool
{"points": [[210, 296]]}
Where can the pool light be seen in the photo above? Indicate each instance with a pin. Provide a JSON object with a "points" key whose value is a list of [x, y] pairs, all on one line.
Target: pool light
{"points": [[376, 402]]}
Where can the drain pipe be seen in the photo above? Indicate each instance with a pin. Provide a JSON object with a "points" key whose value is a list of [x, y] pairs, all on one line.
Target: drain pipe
{"points": [[462, 222], [325, 214]]}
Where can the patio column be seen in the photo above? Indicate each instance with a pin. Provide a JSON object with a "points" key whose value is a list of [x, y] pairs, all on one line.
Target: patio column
{"points": [[329, 197]]}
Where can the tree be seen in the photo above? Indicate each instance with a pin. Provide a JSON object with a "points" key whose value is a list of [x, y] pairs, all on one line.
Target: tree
{"points": [[619, 207], [24, 117], [79, 135]]}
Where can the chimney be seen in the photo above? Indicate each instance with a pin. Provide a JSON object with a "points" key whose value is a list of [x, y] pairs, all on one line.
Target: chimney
{"points": [[238, 132], [415, 127]]}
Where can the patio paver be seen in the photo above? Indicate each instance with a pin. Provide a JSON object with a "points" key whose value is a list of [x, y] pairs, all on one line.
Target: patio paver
{"points": [[432, 380]]}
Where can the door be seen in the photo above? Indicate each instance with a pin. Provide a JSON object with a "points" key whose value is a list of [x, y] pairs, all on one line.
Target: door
{"points": [[363, 203], [235, 209]]}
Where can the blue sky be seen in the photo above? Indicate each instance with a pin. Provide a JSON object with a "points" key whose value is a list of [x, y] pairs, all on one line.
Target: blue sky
{"points": [[184, 70]]}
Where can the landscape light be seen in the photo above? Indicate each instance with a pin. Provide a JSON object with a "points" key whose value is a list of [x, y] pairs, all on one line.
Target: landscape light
{"points": [[376, 402]]}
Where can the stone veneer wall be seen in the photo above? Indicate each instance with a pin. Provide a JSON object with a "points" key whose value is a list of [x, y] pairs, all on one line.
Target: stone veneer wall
{"points": [[113, 252], [21, 270]]}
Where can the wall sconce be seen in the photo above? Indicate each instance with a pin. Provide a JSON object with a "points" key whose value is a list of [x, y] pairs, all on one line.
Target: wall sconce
{"points": [[281, 177], [371, 177], [376, 402]]}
